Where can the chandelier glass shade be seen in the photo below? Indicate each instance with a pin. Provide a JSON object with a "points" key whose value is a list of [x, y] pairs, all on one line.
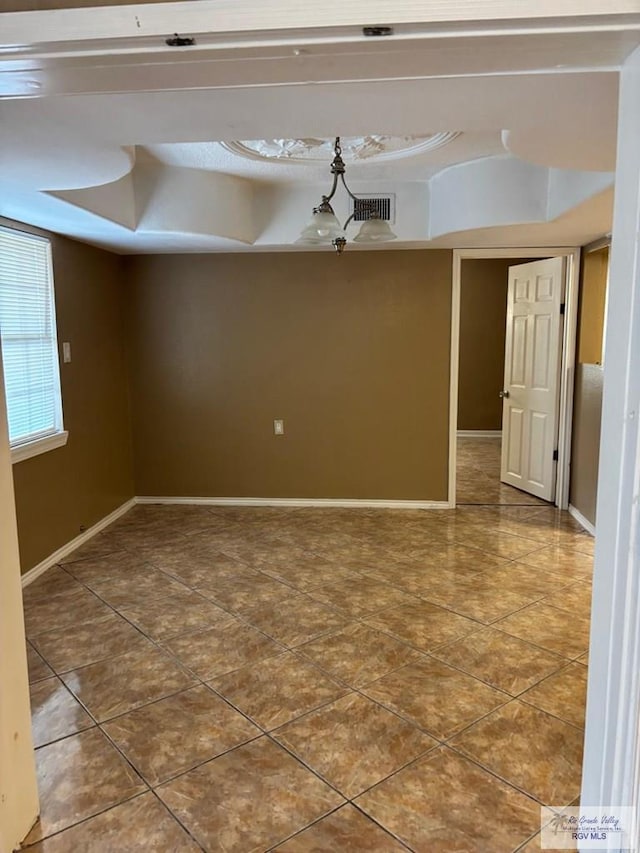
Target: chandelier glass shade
{"points": [[324, 228]]}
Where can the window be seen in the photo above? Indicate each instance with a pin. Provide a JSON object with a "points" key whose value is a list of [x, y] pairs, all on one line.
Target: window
{"points": [[29, 345]]}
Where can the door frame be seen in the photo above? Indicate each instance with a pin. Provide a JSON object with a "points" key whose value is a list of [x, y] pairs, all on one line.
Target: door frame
{"points": [[567, 370]]}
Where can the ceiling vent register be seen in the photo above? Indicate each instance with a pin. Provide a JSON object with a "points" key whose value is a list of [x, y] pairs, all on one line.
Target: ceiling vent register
{"points": [[363, 206]]}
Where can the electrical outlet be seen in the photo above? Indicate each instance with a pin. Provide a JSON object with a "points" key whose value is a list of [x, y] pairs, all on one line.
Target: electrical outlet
{"points": [[66, 352], [278, 427]]}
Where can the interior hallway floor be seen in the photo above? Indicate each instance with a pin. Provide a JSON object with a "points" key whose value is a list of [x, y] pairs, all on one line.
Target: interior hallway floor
{"points": [[478, 475], [253, 679]]}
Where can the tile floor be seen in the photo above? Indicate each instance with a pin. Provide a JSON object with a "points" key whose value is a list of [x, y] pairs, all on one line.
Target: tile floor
{"points": [[227, 679], [478, 475]]}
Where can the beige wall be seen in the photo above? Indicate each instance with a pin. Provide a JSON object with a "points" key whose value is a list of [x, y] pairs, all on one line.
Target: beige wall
{"points": [[353, 353], [585, 441], [64, 490], [483, 321]]}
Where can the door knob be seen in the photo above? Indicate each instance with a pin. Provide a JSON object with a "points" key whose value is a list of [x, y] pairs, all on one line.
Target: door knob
{"points": [[503, 394]]}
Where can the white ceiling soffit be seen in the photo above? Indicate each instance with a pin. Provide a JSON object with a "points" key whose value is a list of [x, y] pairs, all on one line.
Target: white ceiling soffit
{"points": [[128, 154]]}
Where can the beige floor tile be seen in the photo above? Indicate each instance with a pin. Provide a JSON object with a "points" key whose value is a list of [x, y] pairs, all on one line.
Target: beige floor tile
{"points": [[161, 618], [222, 649], [127, 591], [259, 550], [178, 733], [116, 564], [361, 596], [538, 753], [274, 691], [78, 777], [55, 713], [307, 573], [501, 660], [560, 560], [115, 686], [563, 694], [242, 593], [200, 566], [353, 743], [295, 620], [435, 697], [346, 830], [67, 610], [458, 557], [99, 546], [358, 654], [575, 598], [249, 799], [423, 625], [55, 581], [567, 634], [502, 544], [479, 598], [525, 580], [106, 637], [140, 825], [38, 669], [431, 666], [443, 803]]}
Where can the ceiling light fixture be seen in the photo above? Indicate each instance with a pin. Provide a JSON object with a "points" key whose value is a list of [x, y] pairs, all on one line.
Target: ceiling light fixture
{"points": [[324, 228]]}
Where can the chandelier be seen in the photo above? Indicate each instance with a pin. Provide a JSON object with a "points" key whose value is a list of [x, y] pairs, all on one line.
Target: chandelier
{"points": [[324, 228]]}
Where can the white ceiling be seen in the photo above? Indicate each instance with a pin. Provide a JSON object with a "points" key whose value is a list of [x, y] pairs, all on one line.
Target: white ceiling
{"points": [[94, 145]]}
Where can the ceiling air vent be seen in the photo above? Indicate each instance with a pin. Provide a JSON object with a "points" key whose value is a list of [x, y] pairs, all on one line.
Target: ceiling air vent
{"points": [[364, 204]]}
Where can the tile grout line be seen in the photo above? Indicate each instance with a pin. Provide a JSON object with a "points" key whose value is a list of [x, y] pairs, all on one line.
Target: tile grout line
{"points": [[295, 651]]}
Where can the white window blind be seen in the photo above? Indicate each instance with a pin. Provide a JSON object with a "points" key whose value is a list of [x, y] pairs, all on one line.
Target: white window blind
{"points": [[28, 335]]}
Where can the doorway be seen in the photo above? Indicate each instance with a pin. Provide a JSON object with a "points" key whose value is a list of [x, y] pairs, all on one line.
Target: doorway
{"points": [[479, 471]]}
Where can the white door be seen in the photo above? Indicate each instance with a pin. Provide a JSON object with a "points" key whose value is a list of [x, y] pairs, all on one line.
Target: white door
{"points": [[532, 376]]}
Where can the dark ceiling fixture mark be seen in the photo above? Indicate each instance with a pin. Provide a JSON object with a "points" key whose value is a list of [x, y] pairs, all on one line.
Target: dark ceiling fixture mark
{"points": [[376, 32], [180, 41]]}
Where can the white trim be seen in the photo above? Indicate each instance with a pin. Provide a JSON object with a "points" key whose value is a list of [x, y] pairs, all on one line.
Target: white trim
{"points": [[611, 768], [582, 521], [65, 550], [479, 433], [346, 503], [40, 445], [262, 19], [568, 355], [567, 378]]}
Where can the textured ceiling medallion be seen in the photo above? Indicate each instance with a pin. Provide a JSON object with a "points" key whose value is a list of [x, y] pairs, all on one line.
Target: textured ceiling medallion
{"points": [[354, 148]]}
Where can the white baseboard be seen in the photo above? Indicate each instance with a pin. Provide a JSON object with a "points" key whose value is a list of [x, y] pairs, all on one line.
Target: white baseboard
{"points": [[61, 553], [479, 433], [584, 522], [297, 502]]}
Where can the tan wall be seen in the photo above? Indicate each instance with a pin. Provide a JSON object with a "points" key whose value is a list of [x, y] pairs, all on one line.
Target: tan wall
{"points": [[353, 353], [64, 490], [593, 294], [483, 322], [587, 403]]}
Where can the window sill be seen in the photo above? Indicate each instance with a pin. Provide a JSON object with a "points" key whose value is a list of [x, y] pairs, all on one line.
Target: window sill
{"points": [[41, 445]]}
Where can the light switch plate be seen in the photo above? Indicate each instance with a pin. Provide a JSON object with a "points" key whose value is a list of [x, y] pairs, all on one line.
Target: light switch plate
{"points": [[66, 352]]}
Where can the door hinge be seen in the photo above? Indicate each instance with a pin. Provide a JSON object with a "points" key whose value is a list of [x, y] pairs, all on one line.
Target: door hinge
{"points": [[555, 455], [562, 304]]}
